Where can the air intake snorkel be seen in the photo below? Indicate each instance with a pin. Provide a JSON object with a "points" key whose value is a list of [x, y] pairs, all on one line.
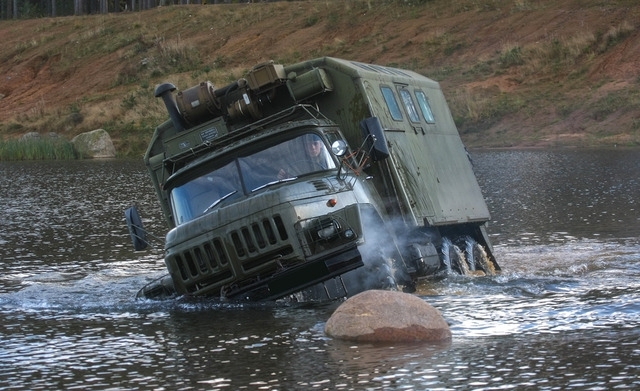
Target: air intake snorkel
{"points": [[164, 91]]}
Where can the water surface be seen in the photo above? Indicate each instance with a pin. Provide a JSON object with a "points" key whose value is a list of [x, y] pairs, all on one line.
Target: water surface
{"points": [[563, 314]]}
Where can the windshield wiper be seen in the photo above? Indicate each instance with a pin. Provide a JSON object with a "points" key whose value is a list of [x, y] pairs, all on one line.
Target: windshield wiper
{"points": [[219, 200], [274, 183]]}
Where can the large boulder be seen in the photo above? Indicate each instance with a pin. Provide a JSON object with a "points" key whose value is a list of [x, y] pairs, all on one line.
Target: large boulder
{"points": [[387, 316], [94, 144]]}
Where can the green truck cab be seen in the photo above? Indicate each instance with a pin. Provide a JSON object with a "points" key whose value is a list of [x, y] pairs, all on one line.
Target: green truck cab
{"points": [[318, 179]]}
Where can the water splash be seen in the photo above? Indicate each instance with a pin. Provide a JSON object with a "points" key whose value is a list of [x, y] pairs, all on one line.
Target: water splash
{"points": [[460, 259], [483, 261], [446, 244]]}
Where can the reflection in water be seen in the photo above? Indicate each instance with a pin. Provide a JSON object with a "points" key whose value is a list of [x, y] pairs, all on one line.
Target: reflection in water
{"points": [[564, 313], [63, 220], [546, 196]]}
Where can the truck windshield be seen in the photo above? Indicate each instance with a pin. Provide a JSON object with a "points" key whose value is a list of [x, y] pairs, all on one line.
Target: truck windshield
{"points": [[243, 175]]}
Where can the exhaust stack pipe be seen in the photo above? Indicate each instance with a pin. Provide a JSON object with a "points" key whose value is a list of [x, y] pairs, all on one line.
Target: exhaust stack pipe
{"points": [[164, 91]]}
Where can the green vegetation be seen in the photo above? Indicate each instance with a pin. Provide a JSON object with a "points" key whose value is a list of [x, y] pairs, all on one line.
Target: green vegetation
{"points": [[37, 148]]}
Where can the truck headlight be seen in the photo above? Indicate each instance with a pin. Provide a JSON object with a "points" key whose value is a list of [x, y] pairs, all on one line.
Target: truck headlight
{"points": [[349, 234], [324, 233], [329, 229]]}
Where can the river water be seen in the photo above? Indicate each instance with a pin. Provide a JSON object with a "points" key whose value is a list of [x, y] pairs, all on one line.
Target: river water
{"points": [[563, 314]]}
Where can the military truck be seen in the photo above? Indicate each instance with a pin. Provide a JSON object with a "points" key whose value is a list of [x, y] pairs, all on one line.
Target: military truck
{"points": [[322, 178]]}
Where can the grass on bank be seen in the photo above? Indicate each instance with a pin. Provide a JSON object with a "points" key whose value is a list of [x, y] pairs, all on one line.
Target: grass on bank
{"points": [[37, 149], [166, 44]]}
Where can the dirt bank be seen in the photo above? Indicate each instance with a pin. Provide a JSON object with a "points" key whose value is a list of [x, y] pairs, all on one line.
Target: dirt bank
{"points": [[516, 72]]}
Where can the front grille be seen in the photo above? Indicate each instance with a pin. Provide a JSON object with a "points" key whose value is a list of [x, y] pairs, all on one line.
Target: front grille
{"points": [[259, 248], [259, 237], [208, 258]]}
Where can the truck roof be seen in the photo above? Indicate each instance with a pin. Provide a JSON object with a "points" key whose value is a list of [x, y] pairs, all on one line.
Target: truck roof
{"points": [[429, 164]]}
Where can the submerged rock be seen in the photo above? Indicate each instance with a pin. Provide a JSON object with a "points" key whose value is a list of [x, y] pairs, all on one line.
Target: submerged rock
{"points": [[387, 316], [94, 144]]}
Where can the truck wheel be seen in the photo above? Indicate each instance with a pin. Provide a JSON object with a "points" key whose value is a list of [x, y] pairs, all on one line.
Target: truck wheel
{"points": [[454, 258]]}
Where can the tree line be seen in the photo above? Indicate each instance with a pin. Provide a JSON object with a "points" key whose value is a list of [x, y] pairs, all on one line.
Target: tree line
{"points": [[26, 9]]}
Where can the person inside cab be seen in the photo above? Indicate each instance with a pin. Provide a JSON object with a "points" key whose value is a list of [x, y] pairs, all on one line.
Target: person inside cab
{"points": [[317, 152]]}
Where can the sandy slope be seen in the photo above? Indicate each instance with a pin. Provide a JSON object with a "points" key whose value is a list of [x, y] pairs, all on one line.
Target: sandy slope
{"points": [[51, 66]]}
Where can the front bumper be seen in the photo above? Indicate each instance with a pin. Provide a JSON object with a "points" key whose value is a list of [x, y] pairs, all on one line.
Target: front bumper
{"points": [[299, 277]]}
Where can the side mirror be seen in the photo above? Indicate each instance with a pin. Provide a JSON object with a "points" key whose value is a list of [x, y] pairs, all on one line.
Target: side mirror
{"points": [[136, 230], [376, 142], [339, 148]]}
